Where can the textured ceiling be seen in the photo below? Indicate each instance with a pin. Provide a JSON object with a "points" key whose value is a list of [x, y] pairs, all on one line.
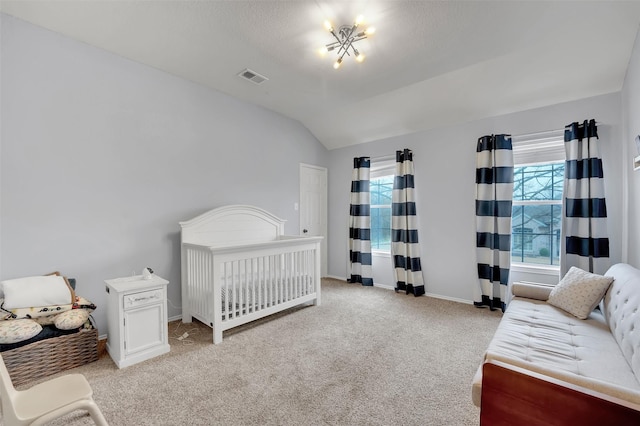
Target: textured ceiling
{"points": [[429, 64]]}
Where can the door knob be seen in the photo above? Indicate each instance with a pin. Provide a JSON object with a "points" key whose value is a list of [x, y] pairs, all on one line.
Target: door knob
{"points": [[304, 231]]}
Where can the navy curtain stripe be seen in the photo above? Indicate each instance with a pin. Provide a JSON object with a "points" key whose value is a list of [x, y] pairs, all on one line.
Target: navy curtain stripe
{"points": [[494, 208], [403, 181], [494, 200], [360, 279], [579, 131], [584, 227], [410, 263], [596, 247], [493, 304], [360, 209], [586, 207], [494, 175], [493, 273], [492, 241], [362, 258], [360, 234], [409, 288], [405, 248], [403, 209], [584, 169], [360, 186], [493, 142], [405, 235], [360, 224], [362, 163]]}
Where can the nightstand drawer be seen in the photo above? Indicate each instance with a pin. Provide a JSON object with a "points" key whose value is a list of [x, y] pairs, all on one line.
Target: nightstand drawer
{"points": [[134, 300]]}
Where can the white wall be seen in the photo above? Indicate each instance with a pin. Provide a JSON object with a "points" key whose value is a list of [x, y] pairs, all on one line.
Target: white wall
{"points": [[631, 120], [444, 162], [101, 157]]}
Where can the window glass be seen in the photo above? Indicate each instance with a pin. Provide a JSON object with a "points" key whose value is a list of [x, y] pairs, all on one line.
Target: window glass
{"points": [[538, 182], [537, 214], [381, 192]]}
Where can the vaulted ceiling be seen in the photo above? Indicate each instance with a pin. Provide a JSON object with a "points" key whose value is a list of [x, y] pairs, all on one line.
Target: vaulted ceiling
{"points": [[429, 64]]}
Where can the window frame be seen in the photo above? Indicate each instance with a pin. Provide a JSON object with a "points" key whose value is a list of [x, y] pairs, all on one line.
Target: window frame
{"points": [[531, 150], [380, 169]]}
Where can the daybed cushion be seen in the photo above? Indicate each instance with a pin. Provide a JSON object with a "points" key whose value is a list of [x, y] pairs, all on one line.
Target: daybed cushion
{"points": [[36, 291], [534, 335], [620, 308], [71, 319], [579, 292], [18, 330]]}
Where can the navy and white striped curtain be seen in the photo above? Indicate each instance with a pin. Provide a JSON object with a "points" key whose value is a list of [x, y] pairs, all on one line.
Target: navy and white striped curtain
{"points": [[494, 198], [405, 250], [584, 227], [360, 270]]}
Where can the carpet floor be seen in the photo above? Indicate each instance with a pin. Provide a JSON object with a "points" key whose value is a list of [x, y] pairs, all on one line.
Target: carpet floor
{"points": [[366, 356]]}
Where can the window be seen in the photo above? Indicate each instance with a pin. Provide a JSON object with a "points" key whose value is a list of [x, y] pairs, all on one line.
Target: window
{"points": [[536, 215], [536, 218], [381, 190]]}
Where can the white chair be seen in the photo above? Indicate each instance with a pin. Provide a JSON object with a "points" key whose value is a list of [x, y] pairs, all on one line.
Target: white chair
{"points": [[46, 401]]}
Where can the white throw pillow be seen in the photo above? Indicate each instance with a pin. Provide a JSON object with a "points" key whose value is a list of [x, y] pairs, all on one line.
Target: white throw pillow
{"points": [[579, 292], [49, 290]]}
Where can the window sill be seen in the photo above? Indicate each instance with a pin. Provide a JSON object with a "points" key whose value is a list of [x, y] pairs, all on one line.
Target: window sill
{"points": [[380, 253], [536, 269]]}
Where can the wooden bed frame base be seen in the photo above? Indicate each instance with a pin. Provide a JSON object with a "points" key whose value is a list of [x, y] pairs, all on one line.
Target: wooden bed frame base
{"points": [[515, 396]]}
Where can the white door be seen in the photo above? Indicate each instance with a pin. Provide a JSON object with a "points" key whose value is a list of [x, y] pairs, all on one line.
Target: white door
{"points": [[313, 206]]}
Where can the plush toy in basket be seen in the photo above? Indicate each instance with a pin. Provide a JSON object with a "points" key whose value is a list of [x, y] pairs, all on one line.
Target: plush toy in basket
{"points": [[39, 317]]}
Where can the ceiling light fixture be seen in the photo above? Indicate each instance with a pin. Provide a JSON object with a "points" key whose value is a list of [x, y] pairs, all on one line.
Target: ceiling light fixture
{"points": [[345, 38]]}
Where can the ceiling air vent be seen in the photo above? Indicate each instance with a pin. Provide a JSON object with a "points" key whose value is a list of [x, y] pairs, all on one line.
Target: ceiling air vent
{"points": [[252, 76]]}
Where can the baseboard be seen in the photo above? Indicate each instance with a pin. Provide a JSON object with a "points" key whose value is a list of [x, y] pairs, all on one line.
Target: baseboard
{"points": [[335, 277], [451, 299], [390, 287]]}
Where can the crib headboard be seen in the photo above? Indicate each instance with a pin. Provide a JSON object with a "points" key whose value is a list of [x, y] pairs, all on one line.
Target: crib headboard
{"points": [[231, 226]]}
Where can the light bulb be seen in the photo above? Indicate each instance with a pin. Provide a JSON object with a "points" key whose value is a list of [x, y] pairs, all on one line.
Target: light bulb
{"points": [[370, 31], [359, 20], [323, 50], [328, 26], [359, 57], [337, 64]]}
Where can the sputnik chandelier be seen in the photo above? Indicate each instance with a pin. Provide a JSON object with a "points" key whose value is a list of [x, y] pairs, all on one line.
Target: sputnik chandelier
{"points": [[345, 38]]}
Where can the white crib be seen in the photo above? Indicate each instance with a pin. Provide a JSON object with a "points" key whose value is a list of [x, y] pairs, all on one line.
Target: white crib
{"points": [[238, 266]]}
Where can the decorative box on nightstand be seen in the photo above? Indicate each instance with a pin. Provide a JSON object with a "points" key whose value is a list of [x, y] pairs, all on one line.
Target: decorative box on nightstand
{"points": [[136, 319]]}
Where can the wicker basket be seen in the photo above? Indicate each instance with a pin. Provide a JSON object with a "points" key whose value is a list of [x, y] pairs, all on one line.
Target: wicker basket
{"points": [[50, 356]]}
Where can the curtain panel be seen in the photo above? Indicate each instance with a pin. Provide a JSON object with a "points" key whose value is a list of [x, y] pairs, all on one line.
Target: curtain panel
{"points": [[584, 226], [360, 270], [405, 250], [494, 199]]}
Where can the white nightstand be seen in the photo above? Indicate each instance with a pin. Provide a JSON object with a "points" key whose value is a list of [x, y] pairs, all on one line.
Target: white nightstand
{"points": [[136, 319]]}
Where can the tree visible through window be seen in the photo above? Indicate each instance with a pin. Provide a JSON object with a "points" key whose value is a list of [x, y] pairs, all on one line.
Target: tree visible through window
{"points": [[381, 190], [537, 213]]}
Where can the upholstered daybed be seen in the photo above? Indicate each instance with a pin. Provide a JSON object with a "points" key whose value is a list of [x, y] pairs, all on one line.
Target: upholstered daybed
{"points": [[547, 365], [44, 327]]}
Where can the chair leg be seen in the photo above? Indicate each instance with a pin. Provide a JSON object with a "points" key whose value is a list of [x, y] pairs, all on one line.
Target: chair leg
{"points": [[85, 404], [96, 414]]}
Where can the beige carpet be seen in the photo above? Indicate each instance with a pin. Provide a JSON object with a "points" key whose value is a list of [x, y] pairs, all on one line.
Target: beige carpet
{"points": [[367, 356]]}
